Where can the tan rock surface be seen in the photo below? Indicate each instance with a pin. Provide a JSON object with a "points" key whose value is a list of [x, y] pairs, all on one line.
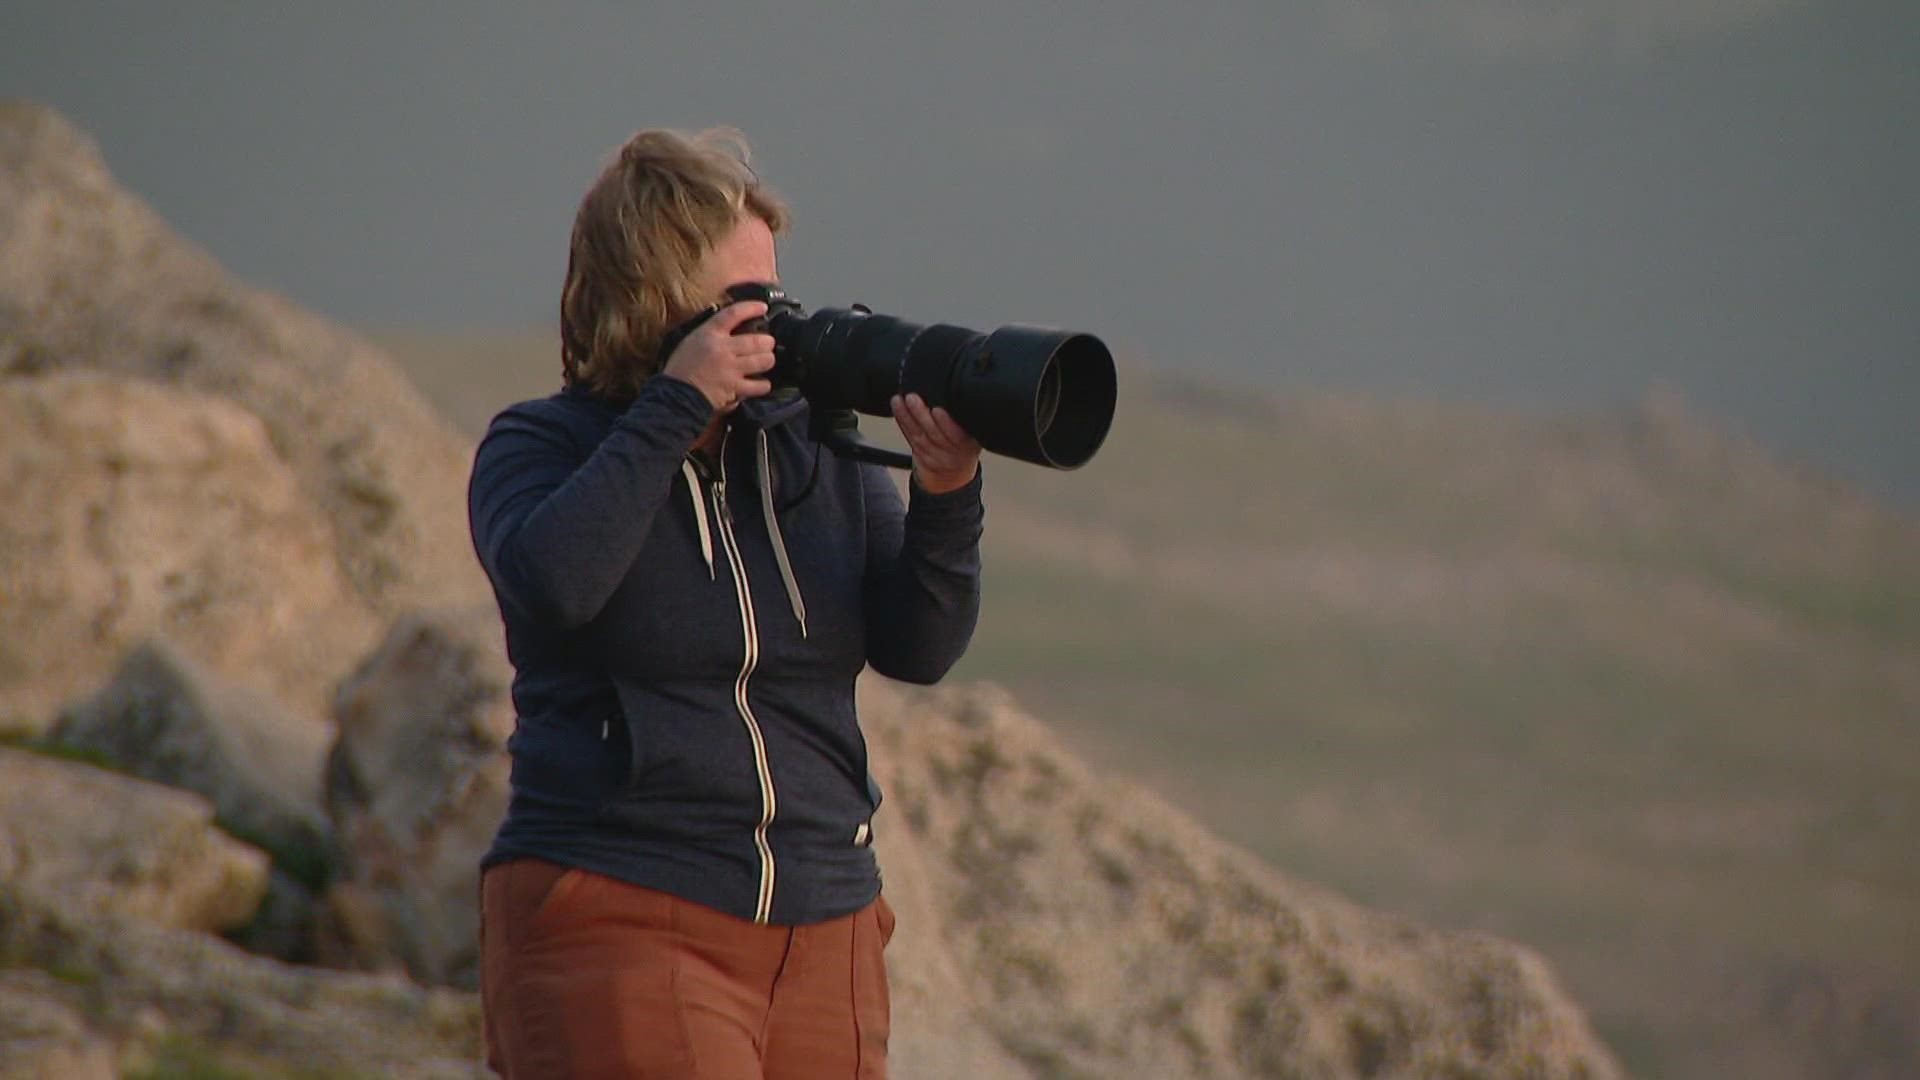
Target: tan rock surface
{"points": [[91, 278], [151, 996], [416, 785], [41, 1036], [936, 1017], [158, 512], [96, 842]]}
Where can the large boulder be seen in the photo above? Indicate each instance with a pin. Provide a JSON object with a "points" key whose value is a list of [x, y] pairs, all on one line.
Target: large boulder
{"points": [[165, 719], [416, 785], [159, 512], [169, 720], [93, 279], [98, 843], [1100, 932]]}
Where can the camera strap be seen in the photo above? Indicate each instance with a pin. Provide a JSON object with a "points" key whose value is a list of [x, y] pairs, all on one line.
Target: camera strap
{"points": [[678, 334]]}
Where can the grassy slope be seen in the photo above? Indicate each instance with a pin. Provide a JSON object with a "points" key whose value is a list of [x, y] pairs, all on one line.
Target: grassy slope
{"points": [[1620, 687]]}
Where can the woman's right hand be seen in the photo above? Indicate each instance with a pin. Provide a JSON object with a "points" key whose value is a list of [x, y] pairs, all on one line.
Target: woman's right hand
{"points": [[722, 365]]}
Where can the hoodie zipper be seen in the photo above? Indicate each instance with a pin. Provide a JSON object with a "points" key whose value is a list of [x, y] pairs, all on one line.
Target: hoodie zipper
{"points": [[763, 905]]}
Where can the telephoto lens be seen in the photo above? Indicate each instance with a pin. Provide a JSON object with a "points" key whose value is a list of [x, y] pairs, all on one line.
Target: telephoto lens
{"points": [[1033, 393]]}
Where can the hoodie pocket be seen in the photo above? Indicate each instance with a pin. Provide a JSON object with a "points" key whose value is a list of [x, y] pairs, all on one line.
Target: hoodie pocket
{"points": [[688, 762], [565, 762]]}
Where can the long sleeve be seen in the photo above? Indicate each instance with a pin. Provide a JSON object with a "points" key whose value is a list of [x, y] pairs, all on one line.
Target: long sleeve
{"points": [[557, 534], [922, 577]]}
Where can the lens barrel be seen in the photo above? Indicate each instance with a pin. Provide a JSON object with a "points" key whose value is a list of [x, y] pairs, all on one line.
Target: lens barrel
{"points": [[1033, 393]]}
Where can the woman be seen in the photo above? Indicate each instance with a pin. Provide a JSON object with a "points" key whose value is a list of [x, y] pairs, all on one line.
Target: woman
{"points": [[684, 884]]}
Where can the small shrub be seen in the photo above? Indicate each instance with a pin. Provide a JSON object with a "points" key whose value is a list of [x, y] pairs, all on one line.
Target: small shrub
{"points": [[983, 760], [1266, 1035], [1112, 869]]}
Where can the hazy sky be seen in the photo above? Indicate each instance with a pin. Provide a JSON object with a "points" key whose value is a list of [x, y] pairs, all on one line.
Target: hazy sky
{"points": [[1544, 202]]}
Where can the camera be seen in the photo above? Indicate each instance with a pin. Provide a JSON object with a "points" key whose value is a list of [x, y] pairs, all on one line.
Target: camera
{"points": [[1032, 393]]}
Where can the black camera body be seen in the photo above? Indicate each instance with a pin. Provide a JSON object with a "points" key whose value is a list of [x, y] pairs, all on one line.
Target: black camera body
{"points": [[1033, 393]]}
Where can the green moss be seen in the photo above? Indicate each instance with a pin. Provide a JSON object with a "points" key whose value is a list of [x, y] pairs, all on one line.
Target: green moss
{"points": [[179, 1057], [73, 974], [60, 751]]}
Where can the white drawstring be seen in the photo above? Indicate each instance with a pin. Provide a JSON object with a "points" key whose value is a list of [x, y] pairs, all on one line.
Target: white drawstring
{"points": [[700, 515], [779, 543]]}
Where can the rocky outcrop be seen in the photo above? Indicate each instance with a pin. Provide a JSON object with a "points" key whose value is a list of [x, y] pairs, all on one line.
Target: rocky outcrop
{"points": [[92, 996], [151, 511], [1100, 932], [93, 280], [416, 784], [99, 844], [164, 719]]}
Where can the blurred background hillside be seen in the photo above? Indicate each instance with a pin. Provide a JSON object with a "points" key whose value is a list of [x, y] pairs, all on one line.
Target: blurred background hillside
{"points": [[1510, 516]]}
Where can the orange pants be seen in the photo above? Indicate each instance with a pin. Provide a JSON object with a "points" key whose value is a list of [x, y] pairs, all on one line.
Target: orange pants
{"points": [[585, 976]]}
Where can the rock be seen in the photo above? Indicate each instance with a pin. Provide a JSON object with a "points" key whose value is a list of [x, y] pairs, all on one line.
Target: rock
{"points": [[286, 924], [94, 280], [42, 1036], [416, 785], [159, 513], [165, 719], [103, 844], [1099, 932], [176, 1003], [936, 1027]]}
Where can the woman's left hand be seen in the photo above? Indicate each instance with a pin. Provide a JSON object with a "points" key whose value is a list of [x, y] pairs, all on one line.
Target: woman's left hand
{"points": [[945, 457]]}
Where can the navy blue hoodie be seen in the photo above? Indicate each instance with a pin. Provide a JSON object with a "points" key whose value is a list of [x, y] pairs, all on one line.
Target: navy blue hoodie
{"points": [[685, 635]]}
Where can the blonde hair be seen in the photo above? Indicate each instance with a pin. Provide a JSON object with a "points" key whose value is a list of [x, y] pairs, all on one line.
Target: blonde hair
{"points": [[641, 233]]}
